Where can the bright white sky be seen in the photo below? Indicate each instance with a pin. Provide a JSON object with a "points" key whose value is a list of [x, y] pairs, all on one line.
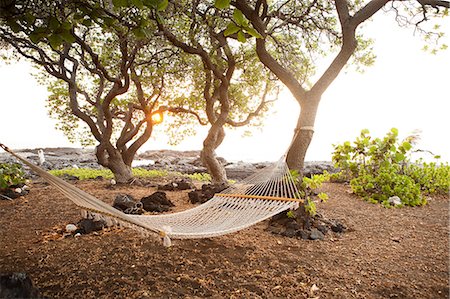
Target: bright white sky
{"points": [[406, 88]]}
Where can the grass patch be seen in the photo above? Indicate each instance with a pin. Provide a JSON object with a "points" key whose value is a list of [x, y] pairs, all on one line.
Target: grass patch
{"points": [[199, 176], [89, 173]]}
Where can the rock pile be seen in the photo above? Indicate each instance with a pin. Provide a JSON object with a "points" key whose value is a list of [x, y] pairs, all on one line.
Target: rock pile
{"points": [[205, 193], [14, 192], [299, 225]]}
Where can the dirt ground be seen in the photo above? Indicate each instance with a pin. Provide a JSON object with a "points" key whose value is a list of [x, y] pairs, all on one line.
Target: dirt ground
{"points": [[386, 253]]}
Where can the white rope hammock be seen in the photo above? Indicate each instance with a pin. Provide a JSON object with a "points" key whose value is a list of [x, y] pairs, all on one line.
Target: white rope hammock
{"points": [[259, 197]]}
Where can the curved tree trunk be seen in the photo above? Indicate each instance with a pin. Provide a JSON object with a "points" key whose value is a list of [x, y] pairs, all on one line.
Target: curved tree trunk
{"points": [[208, 154], [114, 161], [304, 132], [122, 172]]}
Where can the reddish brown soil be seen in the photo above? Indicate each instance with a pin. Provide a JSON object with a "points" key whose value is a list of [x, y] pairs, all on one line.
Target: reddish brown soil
{"points": [[387, 253]]}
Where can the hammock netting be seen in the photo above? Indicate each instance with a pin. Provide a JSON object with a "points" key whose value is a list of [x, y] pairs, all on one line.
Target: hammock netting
{"points": [[258, 197]]}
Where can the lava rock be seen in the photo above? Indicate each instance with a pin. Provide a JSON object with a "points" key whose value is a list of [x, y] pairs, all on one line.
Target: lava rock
{"points": [[17, 285], [322, 228], [195, 196], [318, 167], [180, 184], [206, 192], [316, 234], [303, 234], [123, 202], [86, 226], [9, 194], [69, 177], [290, 233], [338, 228], [185, 184], [156, 202]]}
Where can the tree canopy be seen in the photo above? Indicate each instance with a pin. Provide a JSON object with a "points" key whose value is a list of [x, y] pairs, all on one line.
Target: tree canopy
{"points": [[116, 63]]}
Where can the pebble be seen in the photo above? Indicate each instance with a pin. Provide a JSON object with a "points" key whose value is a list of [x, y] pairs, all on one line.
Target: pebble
{"points": [[70, 228], [77, 235]]}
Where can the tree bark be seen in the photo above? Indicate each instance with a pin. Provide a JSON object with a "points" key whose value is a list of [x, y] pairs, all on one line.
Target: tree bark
{"points": [[114, 161], [208, 155], [122, 172], [304, 132]]}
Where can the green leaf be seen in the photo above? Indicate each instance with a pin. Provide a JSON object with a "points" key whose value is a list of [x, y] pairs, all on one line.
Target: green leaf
{"points": [[66, 26], [137, 3], [231, 29], [151, 3], [55, 41], [108, 21], [406, 145], [87, 22], [120, 3], [162, 5], [253, 32], [241, 36], [29, 18], [67, 36], [222, 4], [36, 37], [323, 196], [238, 17], [15, 27], [53, 23], [147, 32], [399, 157]]}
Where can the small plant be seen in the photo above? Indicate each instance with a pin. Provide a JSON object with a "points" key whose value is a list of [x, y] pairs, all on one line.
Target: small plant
{"points": [[380, 168], [307, 187], [198, 176], [11, 174], [310, 207], [290, 214]]}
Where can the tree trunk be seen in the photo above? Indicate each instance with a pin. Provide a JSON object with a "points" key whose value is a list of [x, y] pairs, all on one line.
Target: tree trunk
{"points": [[303, 134], [122, 172], [114, 161], [208, 155]]}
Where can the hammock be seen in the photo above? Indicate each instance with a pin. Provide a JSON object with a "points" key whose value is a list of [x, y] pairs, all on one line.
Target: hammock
{"points": [[258, 197]]}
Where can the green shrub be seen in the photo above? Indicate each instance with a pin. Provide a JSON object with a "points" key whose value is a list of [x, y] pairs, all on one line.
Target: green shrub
{"points": [[89, 173], [380, 168], [11, 174], [307, 189], [199, 176]]}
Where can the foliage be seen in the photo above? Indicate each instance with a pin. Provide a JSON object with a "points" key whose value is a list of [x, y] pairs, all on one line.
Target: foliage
{"points": [[290, 214], [199, 176], [432, 177], [307, 189], [380, 168], [11, 174], [90, 173], [105, 68], [310, 207]]}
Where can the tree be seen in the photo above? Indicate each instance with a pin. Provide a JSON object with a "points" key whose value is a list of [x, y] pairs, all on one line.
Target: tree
{"points": [[108, 69], [232, 81], [315, 28]]}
